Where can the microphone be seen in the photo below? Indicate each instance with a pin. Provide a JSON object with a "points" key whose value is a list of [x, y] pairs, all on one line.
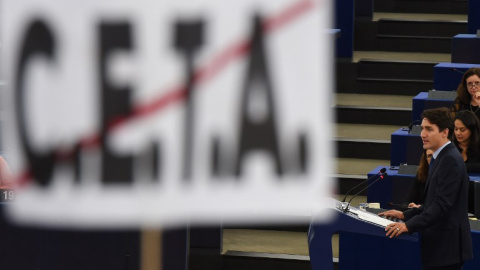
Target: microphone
{"points": [[376, 180], [454, 69], [363, 182]]}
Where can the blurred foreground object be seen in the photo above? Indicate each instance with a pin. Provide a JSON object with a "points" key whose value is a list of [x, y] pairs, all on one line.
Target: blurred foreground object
{"points": [[148, 113]]}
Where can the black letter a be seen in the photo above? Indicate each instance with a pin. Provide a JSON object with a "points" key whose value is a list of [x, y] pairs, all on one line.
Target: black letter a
{"points": [[257, 126]]}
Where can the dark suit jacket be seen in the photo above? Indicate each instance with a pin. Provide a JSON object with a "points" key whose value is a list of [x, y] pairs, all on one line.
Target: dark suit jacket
{"points": [[442, 220]]}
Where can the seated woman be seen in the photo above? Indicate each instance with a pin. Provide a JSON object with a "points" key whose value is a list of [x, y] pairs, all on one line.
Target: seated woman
{"points": [[415, 195], [468, 94], [467, 139]]}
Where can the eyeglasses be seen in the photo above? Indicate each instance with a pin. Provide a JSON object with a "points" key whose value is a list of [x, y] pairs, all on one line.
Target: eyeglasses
{"points": [[472, 84]]}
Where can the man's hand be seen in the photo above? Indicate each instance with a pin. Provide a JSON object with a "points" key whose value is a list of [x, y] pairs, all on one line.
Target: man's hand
{"points": [[476, 97], [392, 214], [413, 205], [396, 229]]}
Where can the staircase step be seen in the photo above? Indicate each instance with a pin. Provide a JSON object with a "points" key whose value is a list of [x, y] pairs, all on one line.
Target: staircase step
{"points": [[366, 149], [366, 109], [364, 141], [346, 182], [365, 132], [422, 6], [392, 86], [354, 167], [420, 16], [421, 28], [393, 101], [388, 69], [352, 172], [413, 44], [359, 55], [373, 115]]}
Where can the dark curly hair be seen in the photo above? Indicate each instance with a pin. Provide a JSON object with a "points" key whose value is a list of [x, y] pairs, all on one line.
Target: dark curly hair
{"points": [[463, 97]]}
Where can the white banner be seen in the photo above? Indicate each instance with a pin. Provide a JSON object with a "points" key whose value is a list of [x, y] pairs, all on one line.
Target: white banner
{"points": [[139, 112]]}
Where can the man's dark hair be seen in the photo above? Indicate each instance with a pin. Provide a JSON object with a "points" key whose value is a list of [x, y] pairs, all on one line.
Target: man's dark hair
{"points": [[441, 117]]}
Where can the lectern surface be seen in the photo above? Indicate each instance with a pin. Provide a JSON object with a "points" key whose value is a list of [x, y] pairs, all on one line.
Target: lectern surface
{"points": [[371, 217], [362, 214]]}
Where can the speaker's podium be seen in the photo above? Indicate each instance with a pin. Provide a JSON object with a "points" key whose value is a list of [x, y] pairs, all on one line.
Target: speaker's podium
{"points": [[357, 248]]}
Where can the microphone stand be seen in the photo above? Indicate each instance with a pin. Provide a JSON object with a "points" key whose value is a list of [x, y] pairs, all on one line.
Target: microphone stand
{"points": [[383, 170], [376, 180]]}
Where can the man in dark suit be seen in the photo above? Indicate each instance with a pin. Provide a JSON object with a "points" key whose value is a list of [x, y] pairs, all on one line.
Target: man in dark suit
{"points": [[442, 220]]}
